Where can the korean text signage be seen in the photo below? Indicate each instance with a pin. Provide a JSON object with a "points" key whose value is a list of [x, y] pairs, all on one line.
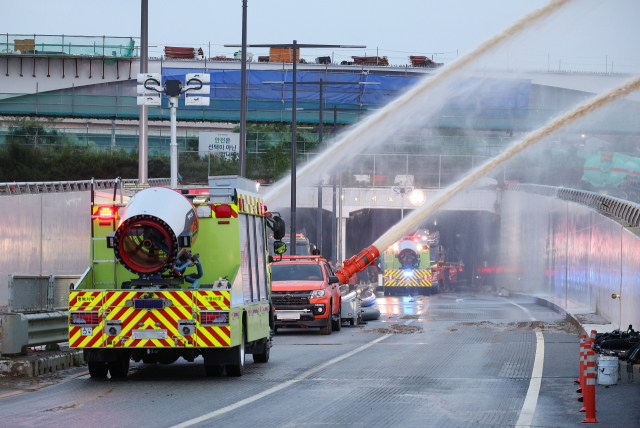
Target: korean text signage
{"points": [[219, 142]]}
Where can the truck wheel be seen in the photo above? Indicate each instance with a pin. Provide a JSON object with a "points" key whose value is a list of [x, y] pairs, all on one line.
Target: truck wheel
{"points": [[262, 357], [214, 370], [98, 369], [238, 369], [119, 368], [337, 324], [327, 328]]}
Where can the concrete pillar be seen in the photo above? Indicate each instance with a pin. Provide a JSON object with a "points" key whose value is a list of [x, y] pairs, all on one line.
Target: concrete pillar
{"points": [[343, 244]]}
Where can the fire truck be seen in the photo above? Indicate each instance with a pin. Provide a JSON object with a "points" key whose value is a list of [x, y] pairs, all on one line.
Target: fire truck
{"points": [[176, 273], [407, 266]]}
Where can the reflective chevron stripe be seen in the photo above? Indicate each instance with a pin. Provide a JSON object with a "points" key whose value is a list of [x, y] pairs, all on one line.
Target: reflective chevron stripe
{"points": [[212, 300], [249, 204], [396, 278]]}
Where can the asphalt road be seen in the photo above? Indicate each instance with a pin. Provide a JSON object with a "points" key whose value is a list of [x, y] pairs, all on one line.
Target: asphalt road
{"points": [[452, 360]]}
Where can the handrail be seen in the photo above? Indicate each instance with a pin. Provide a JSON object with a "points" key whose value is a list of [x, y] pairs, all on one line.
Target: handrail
{"points": [[32, 188], [623, 211]]}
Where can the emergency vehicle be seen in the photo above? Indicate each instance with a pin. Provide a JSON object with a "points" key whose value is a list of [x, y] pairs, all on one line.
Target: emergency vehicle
{"points": [[407, 266], [176, 273]]}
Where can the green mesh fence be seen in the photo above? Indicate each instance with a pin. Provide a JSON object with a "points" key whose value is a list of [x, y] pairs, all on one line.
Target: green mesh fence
{"points": [[84, 46]]}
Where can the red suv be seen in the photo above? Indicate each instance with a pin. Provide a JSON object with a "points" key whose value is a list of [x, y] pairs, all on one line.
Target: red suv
{"points": [[305, 293]]}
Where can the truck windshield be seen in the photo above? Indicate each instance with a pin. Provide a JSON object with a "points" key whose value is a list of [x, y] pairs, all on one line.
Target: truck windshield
{"points": [[286, 271]]}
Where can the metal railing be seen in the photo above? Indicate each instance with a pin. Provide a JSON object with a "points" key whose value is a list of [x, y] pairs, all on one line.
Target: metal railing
{"points": [[31, 188], [619, 209]]}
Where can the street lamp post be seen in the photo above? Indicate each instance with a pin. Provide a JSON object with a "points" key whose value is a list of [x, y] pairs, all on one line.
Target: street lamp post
{"points": [[243, 94], [143, 144], [150, 94], [294, 47]]}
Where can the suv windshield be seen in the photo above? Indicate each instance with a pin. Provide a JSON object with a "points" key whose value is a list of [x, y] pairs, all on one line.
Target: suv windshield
{"points": [[286, 271]]}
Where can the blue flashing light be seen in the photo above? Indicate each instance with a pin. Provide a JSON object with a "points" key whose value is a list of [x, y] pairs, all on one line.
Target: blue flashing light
{"points": [[407, 273]]}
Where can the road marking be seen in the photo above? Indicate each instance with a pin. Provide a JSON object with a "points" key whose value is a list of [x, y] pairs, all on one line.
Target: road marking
{"points": [[531, 399], [282, 385], [36, 387], [33, 388], [526, 311]]}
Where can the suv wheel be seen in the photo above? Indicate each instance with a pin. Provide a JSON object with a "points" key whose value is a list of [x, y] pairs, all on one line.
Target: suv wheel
{"points": [[327, 328], [336, 324]]}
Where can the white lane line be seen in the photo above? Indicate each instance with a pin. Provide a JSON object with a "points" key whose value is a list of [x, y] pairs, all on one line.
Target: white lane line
{"points": [[531, 399], [279, 387], [526, 311]]}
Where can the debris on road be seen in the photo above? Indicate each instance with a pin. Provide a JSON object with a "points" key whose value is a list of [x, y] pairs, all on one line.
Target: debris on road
{"points": [[398, 328]]}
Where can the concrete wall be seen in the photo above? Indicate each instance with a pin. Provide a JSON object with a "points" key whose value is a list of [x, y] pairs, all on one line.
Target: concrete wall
{"points": [[570, 254], [43, 234]]}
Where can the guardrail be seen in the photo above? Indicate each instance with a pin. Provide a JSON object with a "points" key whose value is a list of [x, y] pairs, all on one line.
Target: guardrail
{"points": [[38, 293], [20, 331], [32, 188], [616, 208]]}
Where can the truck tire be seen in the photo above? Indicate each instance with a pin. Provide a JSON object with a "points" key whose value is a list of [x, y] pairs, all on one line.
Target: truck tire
{"points": [[119, 368], [327, 328], [98, 369], [237, 370], [262, 357], [336, 325], [214, 370]]}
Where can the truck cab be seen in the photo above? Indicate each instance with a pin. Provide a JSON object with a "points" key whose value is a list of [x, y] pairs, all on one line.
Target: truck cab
{"points": [[305, 293]]}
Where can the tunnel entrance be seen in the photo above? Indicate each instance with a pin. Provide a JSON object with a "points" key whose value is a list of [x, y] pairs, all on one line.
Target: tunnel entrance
{"points": [[471, 237]]}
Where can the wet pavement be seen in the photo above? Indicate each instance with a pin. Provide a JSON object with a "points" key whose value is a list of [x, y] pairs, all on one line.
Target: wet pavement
{"points": [[450, 360]]}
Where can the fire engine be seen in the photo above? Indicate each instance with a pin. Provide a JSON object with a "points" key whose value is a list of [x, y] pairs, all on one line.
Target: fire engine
{"points": [[176, 273], [407, 266]]}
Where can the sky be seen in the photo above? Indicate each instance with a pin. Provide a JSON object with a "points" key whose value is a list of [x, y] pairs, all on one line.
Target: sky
{"points": [[585, 36]]}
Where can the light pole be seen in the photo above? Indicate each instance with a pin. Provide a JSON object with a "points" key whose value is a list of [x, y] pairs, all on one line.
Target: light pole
{"points": [[143, 144], [152, 85], [402, 191], [243, 94], [294, 47]]}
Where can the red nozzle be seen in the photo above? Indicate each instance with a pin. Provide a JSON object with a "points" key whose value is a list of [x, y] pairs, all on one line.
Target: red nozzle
{"points": [[357, 263]]}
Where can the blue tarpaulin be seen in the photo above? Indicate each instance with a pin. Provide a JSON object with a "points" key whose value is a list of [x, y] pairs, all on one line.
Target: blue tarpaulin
{"points": [[470, 97]]}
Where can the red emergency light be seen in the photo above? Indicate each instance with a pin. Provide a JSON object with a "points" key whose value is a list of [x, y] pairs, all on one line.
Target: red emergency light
{"points": [[223, 211], [105, 213]]}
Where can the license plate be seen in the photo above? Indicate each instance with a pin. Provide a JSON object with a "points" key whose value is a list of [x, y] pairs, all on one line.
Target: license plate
{"points": [[86, 331], [285, 316], [149, 334]]}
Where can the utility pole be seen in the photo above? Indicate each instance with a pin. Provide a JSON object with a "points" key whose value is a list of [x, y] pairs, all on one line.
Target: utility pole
{"points": [[295, 46], [336, 244], [243, 93], [143, 145]]}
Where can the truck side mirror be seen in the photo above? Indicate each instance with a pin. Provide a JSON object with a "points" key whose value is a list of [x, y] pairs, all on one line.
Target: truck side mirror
{"points": [[334, 280], [279, 228], [279, 247]]}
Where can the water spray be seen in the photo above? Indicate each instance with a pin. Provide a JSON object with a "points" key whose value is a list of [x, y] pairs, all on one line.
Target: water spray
{"points": [[412, 221], [380, 125]]}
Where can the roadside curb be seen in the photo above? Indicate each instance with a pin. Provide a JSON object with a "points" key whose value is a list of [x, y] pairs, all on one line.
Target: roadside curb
{"points": [[543, 302], [33, 367]]}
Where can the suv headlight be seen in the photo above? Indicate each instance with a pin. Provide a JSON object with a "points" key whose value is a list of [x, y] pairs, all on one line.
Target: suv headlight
{"points": [[317, 293]]}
